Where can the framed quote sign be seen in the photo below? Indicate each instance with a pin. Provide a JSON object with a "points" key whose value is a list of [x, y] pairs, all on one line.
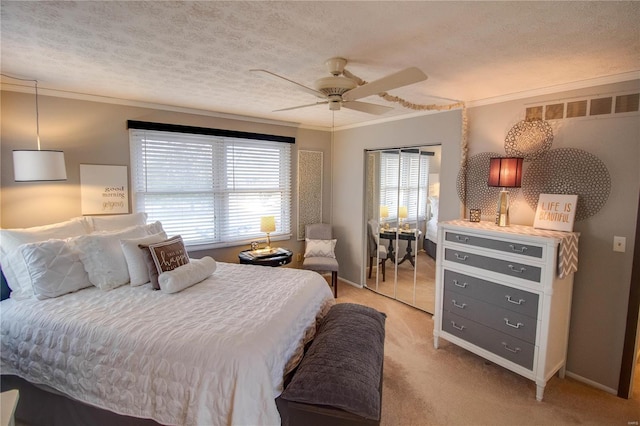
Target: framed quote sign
{"points": [[556, 212], [104, 189]]}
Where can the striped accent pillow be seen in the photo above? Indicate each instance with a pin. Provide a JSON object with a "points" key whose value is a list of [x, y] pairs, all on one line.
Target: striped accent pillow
{"points": [[320, 248]]}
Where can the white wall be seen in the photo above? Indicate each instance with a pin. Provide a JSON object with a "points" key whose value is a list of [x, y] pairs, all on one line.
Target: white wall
{"points": [[348, 176], [601, 285]]}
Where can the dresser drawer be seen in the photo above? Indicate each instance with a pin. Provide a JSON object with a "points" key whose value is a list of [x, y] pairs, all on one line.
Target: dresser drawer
{"points": [[513, 299], [501, 245], [504, 320], [501, 344], [512, 269]]}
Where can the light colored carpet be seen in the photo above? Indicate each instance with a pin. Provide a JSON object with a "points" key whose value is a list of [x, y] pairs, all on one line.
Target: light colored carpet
{"points": [[451, 386]]}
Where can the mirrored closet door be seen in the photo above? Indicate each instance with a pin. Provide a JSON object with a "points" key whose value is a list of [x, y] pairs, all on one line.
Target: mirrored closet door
{"points": [[402, 188]]}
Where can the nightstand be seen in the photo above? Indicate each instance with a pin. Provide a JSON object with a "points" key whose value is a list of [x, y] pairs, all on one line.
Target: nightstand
{"points": [[276, 257]]}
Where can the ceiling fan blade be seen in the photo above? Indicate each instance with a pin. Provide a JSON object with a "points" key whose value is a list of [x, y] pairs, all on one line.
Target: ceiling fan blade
{"points": [[367, 107], [298, 85], [392, 81], [300, 106]]}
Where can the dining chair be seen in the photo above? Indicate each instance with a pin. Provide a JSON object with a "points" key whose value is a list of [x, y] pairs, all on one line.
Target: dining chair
{"points": [[376, 250], [319, 252]]}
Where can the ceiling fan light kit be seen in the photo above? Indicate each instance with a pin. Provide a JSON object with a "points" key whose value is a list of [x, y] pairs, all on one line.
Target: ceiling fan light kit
{"points": [[340, 91]]}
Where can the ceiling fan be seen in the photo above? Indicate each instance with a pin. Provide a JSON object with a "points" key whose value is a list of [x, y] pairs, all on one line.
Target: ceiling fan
{"points": [[340, 91]]}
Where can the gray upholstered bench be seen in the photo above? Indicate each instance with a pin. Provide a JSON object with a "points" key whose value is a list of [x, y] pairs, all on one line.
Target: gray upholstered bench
{"points": [[339, 380]]}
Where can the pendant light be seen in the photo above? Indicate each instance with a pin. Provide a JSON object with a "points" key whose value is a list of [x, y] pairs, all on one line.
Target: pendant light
{"points": [[40, 164]]}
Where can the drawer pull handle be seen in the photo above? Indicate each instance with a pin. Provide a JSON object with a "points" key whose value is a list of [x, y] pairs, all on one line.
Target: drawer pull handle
{"points": [[457, 305], [458, 284], [463, 258], [456, 326], [462, 239], [510, 324], [516, 270], [515, 250], [516, 302], [515, 351]]}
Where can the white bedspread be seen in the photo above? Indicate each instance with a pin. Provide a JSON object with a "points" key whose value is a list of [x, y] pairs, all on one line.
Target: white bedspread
{"points": [[432, 230], [213, 354]]}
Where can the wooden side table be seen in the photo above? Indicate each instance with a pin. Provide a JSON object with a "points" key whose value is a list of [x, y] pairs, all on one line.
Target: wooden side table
{"points": [[277, 257]]}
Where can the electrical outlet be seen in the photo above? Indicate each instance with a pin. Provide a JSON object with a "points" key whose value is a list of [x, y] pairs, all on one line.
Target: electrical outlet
{"points": [[619, 244], [299, 257]]}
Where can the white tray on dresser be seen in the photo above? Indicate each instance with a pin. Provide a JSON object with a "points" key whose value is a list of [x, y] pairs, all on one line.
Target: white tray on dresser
{"points": [[504, 293]]}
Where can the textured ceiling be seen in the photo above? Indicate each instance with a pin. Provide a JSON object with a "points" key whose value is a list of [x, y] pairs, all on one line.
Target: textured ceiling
{"points": [[198, 54]]}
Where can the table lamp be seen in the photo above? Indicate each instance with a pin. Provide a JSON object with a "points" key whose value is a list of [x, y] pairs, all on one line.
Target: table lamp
{"points": [[402, 213], [384, 213], [504, 172], [268, 225]]}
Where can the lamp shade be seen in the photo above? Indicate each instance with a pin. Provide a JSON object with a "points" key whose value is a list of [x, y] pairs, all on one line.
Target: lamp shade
{"points": [[38, 165], [505, 172], [384, 211], [267, 224], [402, 212]]}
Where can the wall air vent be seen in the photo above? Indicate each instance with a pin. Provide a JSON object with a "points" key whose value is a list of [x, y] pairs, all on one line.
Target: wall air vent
{"points": [[576, 109], [600, 106], [627, 103]]}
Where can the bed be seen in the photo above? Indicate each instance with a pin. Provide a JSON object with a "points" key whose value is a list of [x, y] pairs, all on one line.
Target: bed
{"points": [[431, 234], [214, 353]]}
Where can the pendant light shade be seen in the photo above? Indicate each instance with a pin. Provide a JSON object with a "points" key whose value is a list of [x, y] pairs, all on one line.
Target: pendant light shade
{"points": [[38, 165]]}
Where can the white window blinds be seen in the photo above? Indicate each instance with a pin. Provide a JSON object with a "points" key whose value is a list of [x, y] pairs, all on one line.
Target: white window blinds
{"points": [[404, 177], [211, 190]]}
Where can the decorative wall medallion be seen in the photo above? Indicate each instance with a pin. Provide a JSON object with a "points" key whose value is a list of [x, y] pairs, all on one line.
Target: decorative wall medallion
{"points": [[478, 194], [568, 171], [529, 139]]}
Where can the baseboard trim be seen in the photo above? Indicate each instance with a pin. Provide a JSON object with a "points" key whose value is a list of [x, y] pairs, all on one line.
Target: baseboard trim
{"points": [[592, 383], [349, 282]]}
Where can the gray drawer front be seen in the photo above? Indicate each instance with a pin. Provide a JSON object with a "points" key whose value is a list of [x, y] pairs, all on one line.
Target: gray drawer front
{"points": [[514, 299], [512, 269], [508, 246], [503, 345], [504, 320]]}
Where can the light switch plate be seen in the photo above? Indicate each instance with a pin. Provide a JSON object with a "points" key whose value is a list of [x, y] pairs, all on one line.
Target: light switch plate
{"points": [[619, 244]]}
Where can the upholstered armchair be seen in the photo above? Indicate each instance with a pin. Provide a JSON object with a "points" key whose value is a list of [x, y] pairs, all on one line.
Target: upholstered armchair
{"points": [[319, 253]]}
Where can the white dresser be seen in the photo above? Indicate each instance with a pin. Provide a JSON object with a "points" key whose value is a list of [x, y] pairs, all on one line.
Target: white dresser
{"points": [[504, 293]]}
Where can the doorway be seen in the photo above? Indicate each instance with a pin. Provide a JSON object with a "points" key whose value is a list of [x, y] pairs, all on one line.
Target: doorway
{"points": [[401, 215]]}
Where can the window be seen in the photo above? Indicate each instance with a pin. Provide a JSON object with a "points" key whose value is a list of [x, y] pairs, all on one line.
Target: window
{"points": [[211, 189], [404, 182]]}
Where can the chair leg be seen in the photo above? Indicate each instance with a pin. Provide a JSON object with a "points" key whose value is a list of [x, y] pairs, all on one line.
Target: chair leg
{"points": [[334, 283], [384, 262], [370, 265]]}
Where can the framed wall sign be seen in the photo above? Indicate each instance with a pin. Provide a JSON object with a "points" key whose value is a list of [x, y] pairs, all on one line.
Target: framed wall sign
{"points": [[104, 189], [556, 212]]}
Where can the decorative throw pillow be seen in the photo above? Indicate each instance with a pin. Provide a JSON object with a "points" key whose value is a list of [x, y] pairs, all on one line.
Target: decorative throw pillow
{"points": [[103, 257], [55, 268], [320, 248], [117, 222], [164, 256], [136, 264], [13, 264], [186, 275]]}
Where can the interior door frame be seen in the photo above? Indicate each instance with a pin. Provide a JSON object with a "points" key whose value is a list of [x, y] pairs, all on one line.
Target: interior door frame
{"points": [[629, 351]]}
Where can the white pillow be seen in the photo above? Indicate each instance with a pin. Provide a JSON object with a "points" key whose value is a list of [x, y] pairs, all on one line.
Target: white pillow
{"points": [[186, 275], [54, 267], [320, 248], [117, 222], [13, 264], [103, 258], [136, 263]]}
